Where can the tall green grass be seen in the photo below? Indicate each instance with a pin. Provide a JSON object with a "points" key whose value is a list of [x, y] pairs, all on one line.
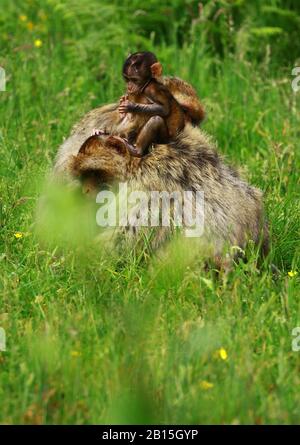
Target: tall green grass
{"points": [[95, 337]]}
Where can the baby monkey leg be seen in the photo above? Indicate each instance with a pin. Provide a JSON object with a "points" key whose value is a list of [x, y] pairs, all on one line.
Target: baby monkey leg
{"points": [[154, 131]]}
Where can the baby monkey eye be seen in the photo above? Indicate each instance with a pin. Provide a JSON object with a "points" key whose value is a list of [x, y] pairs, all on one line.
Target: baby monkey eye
{"points": [[137, 63]]}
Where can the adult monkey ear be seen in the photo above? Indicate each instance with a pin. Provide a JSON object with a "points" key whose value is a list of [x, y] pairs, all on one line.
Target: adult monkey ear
{"points": [[156, 70]]}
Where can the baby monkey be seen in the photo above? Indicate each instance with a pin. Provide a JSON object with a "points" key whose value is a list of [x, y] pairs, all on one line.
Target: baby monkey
{"points": [[149, 98]]}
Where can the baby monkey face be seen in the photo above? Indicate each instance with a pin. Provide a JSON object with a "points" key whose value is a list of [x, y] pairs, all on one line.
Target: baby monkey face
{"points": [[137, 67]]}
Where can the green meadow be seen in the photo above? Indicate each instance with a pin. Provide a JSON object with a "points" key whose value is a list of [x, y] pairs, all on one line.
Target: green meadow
{"points": [[94, 335]]}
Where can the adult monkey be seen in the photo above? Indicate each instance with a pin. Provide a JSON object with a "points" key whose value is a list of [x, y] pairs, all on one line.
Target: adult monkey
{"points": [[233, 209]]}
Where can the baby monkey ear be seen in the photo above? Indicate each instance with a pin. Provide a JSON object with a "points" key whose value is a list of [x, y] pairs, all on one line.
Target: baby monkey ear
{"points": [[156, 70]]}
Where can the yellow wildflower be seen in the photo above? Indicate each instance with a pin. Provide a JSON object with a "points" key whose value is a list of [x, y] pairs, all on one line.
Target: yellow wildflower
{"points": [[75, 353], [292, 273], [18, 235], [204, 384], [38, 43], [223, 354], [23, 17]]}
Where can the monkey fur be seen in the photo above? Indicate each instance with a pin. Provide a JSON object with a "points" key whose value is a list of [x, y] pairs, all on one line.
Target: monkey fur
{"points": [[233, 210]]}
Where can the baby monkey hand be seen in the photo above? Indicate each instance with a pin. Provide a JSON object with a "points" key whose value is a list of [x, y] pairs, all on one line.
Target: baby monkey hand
{"points": [[125, 105]]}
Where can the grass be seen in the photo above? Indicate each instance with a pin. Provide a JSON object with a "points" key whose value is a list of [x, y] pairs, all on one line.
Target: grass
{"points": [[94, 338]]}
